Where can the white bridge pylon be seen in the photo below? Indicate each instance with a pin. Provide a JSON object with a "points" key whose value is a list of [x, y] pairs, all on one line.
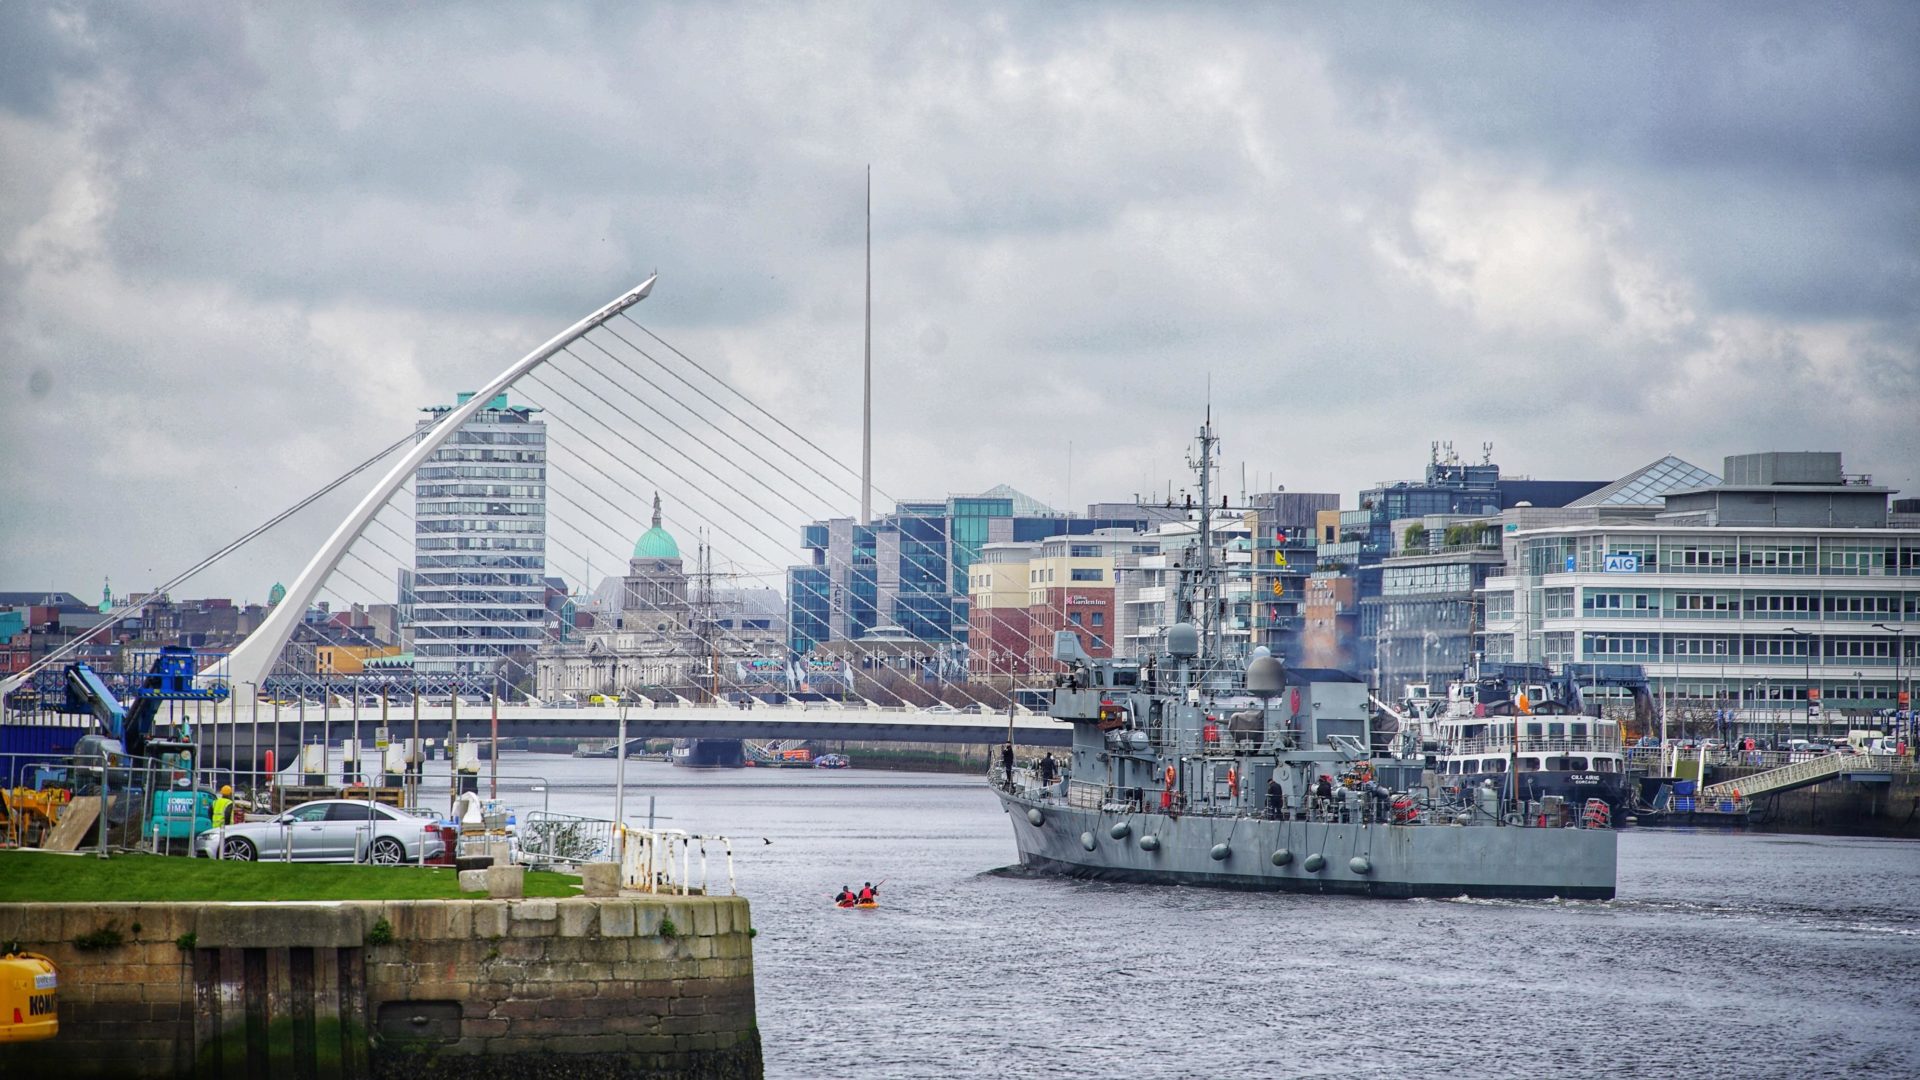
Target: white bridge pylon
{"points": [[248, 665]]}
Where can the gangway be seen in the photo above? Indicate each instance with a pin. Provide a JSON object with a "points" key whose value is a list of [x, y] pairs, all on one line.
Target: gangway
{"points": [[1799, 774]]}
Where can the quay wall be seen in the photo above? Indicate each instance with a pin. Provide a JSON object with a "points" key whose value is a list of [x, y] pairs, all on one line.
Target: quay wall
{"points": [[630, 986]]}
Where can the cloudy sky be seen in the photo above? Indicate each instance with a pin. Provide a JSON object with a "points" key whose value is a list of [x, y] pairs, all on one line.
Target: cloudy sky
{"points": [[240, 246]]}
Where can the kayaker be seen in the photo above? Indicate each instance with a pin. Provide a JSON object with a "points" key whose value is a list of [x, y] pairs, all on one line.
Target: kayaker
{"points": [[868, 894], [846, 897]]}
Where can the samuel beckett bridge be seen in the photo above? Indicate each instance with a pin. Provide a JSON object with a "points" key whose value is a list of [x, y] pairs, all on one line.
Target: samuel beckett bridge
{"points": [[630, 421]]}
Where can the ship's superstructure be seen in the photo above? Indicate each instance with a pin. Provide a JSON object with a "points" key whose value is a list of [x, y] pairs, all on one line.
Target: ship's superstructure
{"points": [[1200, 767]]}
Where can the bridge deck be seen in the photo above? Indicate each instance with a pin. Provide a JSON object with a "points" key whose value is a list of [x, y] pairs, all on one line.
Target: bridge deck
{"points": [[814, 721]]}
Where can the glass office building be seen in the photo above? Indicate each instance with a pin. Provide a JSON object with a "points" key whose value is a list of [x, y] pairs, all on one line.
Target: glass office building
{"points": [[908, 571], [478, 593]]}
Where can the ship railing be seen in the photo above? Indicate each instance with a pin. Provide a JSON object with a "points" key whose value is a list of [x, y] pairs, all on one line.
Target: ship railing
{"points": [[1535, 745], [1415, 806]]}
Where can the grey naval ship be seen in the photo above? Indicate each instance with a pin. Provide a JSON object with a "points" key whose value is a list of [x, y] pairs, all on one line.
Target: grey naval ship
{"points": [[1198, 767]]}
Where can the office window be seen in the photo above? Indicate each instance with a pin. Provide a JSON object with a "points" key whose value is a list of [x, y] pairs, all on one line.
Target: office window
{"points": [[1099, 618], [1690, 647], [1089, 574], [1860, 650], [1780, 603], [1860, 605], [1774, 559], [1702, 602]]}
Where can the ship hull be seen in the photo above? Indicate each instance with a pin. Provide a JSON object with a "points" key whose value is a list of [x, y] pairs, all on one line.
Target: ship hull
{"points": [[1575, 787], [1384, 860], [708, 754]]}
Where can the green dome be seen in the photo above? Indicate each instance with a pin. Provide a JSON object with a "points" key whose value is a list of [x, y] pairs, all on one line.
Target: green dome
{"points": [[656, 543]]}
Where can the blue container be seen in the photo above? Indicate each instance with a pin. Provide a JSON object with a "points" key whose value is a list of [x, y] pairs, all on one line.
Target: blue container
{"points": [[1684, 787], [1726, 806], [44, 740], [1684, 804]]}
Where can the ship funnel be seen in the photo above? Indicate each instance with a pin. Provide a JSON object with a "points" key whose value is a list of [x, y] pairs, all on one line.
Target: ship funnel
{"points": [[1183, 640], [1266, 676]]}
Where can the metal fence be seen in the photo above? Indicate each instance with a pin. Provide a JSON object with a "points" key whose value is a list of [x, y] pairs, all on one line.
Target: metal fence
{"points": [[648, 860]]}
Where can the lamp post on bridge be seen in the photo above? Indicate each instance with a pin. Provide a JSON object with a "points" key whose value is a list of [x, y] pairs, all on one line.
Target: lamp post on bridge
{"points": [[620, 768]]}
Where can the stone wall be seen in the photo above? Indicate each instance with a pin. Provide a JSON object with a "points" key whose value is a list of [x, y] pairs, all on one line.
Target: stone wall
{"points": [[625, 986]]}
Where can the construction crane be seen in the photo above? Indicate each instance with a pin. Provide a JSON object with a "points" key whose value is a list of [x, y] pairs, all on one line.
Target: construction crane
{"points": [[127, 729]]}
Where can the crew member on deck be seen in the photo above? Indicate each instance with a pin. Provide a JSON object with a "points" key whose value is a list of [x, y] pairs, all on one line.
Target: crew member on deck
{"points": [[1049, 768], [1276, 798]]}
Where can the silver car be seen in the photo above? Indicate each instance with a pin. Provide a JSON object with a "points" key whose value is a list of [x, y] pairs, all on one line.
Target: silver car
{"points": [[333, 830]]}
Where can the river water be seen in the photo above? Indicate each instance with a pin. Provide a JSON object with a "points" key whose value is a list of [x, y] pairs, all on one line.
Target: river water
{"points": [[1726, 955]]}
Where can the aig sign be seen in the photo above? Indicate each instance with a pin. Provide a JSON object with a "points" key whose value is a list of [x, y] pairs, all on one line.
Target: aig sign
{"points": [[1623, 564]]}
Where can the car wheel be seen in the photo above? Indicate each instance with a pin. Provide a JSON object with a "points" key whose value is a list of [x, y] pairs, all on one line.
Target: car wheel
{"points": [[238, 847], [388, 852]]}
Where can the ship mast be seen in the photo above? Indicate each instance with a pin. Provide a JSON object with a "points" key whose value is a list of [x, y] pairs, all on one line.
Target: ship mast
{"points": [[1209, 591]]}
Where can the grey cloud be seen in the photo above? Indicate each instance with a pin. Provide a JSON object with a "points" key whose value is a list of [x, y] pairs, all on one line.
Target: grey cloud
{"points": [[1369, 226]]}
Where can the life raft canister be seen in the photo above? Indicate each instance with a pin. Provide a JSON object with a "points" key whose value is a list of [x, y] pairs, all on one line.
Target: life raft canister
{"points": [[28, 1006]]}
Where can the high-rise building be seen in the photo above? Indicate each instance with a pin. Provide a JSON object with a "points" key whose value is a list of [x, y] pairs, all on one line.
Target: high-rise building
{"points": [[478, 591]]}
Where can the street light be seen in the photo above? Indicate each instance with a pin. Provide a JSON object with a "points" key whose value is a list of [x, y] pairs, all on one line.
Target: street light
{"points": [[1809, 690], [1900, 710]]}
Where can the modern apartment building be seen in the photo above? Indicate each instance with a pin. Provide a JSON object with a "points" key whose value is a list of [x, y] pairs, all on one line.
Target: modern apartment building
{"points": [[999, 640], [1284, 553], [1148, 595], [1071, 587], [478, 593]]}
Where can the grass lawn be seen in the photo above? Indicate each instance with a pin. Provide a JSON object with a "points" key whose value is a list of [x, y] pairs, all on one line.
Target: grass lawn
{"points": [[46, 877]]}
